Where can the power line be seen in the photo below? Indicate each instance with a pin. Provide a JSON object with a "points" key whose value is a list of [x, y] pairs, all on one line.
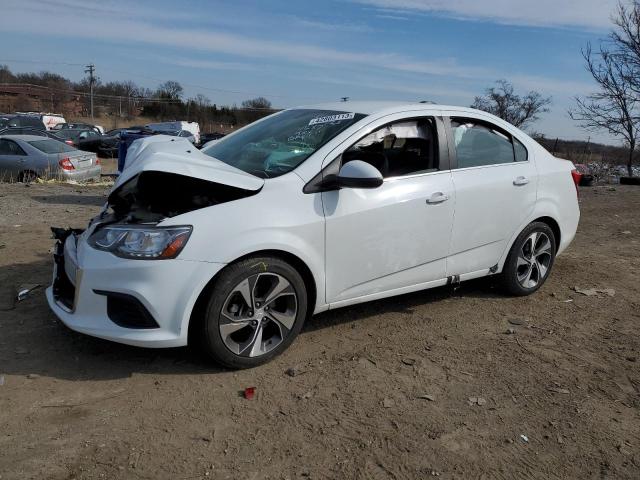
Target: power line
{"points": [[155, 79], [44, 62], [134, 98], [92, 80]]}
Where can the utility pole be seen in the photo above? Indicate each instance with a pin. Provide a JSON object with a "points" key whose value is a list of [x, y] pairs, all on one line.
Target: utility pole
{"points": [[92, 79]]}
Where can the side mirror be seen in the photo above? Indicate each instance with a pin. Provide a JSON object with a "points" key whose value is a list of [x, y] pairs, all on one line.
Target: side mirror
{"points": [[359, 174]]}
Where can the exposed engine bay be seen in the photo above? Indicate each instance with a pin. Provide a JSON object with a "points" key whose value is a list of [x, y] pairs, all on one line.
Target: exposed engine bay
{"points": [[151, 196]]}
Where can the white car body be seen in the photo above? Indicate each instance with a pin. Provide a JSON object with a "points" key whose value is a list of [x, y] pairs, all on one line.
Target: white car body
{"points": [[355, 245], [50, 120], [193, 127]]}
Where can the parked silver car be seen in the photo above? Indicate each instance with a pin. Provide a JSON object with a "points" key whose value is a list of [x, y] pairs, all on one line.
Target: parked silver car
{"points": [[26, 157]]}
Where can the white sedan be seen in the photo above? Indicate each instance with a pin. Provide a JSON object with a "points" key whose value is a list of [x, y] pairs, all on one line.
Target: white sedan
{"points": [[307, 210]]}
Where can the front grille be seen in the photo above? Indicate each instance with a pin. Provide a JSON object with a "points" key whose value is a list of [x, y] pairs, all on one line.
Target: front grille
{"points": [[127, 311]]}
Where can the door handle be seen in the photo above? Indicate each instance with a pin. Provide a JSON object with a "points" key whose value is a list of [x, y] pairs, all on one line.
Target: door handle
{"points": [[520, 181], [437, 197]]}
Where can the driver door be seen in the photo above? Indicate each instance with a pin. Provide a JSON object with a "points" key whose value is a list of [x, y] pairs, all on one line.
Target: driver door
{"points": [[394, 238]]}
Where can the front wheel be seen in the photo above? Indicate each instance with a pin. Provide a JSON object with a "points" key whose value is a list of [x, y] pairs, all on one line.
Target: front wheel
{"points": [[256, 309], [530, 260]]}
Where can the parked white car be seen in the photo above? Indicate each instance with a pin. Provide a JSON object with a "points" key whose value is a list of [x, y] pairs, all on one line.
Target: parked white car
{"points": [[192, 127], [307, 210]]}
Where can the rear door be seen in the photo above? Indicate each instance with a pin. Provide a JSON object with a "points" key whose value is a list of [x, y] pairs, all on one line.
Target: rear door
{"points": [[396, 236], [496, 185], [12, 158]]}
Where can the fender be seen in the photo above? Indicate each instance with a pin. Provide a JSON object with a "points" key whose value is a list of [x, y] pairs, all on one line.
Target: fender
{"points": [[545, 207]]}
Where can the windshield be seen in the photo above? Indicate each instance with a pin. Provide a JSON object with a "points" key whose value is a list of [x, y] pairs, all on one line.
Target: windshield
{"points": [[281, 142], [51, 146]]}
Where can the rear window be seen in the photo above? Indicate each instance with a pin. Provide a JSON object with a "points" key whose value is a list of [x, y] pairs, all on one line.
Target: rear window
{"points": [[51, 146], [34, 122], [67, 134]]}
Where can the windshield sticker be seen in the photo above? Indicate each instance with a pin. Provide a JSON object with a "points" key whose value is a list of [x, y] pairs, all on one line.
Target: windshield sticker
{"points": [[332, 118]]}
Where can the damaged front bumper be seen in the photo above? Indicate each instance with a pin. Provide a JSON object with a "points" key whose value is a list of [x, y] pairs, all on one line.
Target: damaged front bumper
{"points": [[136, 302]]}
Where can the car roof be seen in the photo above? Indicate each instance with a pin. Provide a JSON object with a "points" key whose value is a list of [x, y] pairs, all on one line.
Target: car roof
{"points": [[377, 107], [25, 138]]}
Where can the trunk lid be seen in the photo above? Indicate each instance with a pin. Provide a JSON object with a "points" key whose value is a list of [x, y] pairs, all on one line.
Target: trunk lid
{"points": [[80, 160]]}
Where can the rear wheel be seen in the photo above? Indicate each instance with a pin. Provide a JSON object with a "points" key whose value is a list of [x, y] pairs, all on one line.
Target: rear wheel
{"points": [[27, 176], [255, 310], [530, 260]]}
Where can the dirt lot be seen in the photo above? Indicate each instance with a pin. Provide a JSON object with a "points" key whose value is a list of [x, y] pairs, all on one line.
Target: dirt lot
{"points": [[558, 398]]}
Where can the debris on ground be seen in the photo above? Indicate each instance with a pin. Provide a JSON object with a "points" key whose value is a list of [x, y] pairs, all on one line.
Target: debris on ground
{"points": [[388, 403], [294, 371], [409, 361], [626, 232], [562, 391], [517, 321], [25, 290], [590, 292], [249, 393], [510, 331], [431, 398], [477, 401], [33, 376], [524, 438]]}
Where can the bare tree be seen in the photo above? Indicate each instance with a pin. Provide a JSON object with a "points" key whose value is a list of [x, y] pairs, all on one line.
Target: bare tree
{"points": [[257, 103], [503, 102], [201, 101], [615, 67], [170, 90]]}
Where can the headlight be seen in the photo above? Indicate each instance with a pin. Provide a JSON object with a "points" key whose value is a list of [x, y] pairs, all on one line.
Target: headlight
{"points": [[142, 243]]}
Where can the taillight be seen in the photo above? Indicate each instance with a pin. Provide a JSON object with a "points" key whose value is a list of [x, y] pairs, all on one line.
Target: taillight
{"points": [[66, 164], [69, 142], [97, 161], [576, 176]]}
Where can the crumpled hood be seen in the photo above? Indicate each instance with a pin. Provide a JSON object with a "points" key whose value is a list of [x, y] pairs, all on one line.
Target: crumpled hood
{"points": [[164, 153]]}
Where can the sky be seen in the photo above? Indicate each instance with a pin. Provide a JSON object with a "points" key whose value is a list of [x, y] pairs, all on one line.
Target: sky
{"points": [[304, 52]]}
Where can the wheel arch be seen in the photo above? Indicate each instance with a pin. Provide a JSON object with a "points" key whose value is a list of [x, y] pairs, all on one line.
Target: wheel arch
{"points": [[553, 225], [197, 312], [547, 219]]}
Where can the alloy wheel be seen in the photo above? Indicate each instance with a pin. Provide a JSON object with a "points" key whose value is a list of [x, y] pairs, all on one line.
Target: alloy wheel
{"points": [[534, 260], [258, 314]]}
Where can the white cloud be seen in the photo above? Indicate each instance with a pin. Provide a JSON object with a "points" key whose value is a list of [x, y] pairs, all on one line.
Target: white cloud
{"points": [[329, 26], [442, 79], [78, 23], [592, 14]]}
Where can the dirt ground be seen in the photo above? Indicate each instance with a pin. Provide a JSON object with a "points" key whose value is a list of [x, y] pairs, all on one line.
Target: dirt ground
{"points": [[382, 390]]}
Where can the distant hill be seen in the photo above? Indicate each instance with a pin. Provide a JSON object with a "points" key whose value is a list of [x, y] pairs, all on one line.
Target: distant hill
{"points": [[579, 151]]}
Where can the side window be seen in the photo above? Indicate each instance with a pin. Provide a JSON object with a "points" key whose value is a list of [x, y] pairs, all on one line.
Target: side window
{"points": [[478, 143], [520, 151], [402, 148], [5, 149], [9, 147]]}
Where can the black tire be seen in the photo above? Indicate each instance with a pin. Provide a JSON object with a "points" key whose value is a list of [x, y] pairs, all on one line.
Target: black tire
{"points": [[207, 332], [510, 273], [27, 176]]}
